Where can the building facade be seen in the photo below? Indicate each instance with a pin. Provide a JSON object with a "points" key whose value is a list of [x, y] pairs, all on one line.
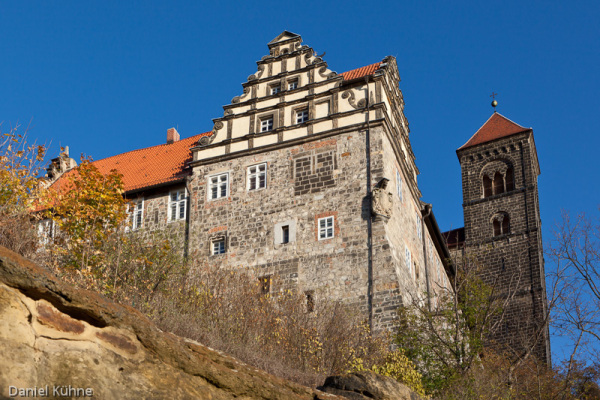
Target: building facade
{"points": [[308, 181]]}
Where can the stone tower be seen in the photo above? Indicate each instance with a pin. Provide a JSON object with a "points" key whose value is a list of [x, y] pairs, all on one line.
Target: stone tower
{"points": [[502, 231]]}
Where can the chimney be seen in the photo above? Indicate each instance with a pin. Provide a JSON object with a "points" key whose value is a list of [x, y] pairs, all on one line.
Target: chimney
{"points": [[172, 136]]}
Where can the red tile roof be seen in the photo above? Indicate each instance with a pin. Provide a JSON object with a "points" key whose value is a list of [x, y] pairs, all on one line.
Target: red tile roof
{"points": [[150, 166], [496, 127], [360, 72]]}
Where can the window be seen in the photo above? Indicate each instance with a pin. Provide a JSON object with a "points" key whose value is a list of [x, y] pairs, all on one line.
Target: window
{"points": [[487, 186], [301, 116], [266, 124], [265, 284], [498, 183], [407, 259], [218, 186], [257, 176], [285, 234], [501, 224], [310, 300], [177, 205], [137, 215], [399, 185], [510, 180], [419, 227], [325, 228], [218, 246], [275, 89], [293, 84]]}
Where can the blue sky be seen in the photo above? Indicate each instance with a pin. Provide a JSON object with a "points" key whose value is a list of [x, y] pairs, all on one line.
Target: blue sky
{"points": [[105, 77]]}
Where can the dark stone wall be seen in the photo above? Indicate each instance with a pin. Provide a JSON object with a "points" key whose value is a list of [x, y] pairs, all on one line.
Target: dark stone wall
{"points": [[511, 261]]}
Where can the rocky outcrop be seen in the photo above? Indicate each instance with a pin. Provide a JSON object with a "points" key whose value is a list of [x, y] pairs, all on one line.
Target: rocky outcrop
{"points": [[57, 340], [368, 385]]}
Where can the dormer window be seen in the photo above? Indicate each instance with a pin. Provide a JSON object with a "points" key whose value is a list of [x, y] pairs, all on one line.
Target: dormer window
{"points": [[275, 89], [266, 124], [301, 116], [293, 84]]}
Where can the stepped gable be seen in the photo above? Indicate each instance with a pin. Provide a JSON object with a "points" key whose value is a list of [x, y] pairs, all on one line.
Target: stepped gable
{"points": [[496, 127]]}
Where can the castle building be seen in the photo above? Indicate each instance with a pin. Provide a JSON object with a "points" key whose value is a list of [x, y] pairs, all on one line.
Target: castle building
{"points": [[309, 177], [502, 232]]}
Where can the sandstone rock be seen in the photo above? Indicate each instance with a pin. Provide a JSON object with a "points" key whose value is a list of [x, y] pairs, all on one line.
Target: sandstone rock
{"points": [[368, 385], [52, 335]]}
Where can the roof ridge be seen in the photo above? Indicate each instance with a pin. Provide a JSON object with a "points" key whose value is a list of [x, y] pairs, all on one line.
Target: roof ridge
{"points": [[150, 147]]}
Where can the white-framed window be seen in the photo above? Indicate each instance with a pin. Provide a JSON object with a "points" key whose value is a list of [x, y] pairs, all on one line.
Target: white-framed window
{"points": [[407, 259], [257, 176], [301, 116], [293, 84], [177, 205], [275, 89], [266, 124], [325, 227], [218, 246], [218, 186], [399, 185], [419, 226], [137, 214], [46, 231]]}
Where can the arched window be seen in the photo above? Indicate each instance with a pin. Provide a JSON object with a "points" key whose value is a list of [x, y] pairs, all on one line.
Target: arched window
{"points": [[487, 186], [501, 224], [498, 183], [510, 180], [497, 228]]}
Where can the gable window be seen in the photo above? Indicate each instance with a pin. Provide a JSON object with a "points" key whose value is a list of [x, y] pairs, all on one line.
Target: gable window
{"points": [[407, 259], [257, 176], [325, 228], [177, 205], [218, 186], [137, 214], [275, 89], [293, 84], [266, 124], [399, 185], [301, 116], [218, 246]]}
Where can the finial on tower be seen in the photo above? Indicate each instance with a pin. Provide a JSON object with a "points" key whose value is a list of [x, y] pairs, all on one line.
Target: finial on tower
{"points": [[494, 102]]}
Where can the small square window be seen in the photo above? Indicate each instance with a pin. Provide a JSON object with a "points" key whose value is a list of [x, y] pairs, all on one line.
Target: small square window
{"points": [[275, 89], [177, 205], [257, 176], [266, 124], [293, 84], [301, 116], [218, 246], [325, 228], [218, 186], [285, 234]]}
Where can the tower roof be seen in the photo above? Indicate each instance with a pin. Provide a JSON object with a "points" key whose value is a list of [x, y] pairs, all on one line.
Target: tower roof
{"points": [[496, 127]]}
